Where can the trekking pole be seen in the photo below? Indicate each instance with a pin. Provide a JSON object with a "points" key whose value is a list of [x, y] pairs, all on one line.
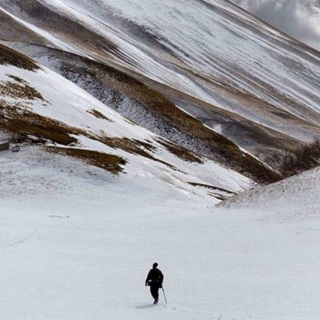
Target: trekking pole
{"points": [[164, 294]]}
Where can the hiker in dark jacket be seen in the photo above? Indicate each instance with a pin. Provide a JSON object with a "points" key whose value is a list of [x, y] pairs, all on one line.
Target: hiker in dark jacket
{"points": [[154, 280]]}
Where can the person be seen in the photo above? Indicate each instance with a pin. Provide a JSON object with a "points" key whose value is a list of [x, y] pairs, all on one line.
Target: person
{"points": [[154, 280]]}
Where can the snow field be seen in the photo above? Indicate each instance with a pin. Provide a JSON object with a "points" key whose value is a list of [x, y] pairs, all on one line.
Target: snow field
{"points": [[76, 243]]}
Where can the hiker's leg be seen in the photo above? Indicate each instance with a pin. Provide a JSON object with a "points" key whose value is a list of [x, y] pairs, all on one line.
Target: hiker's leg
{"points": [[157, 292], [154, 291]]}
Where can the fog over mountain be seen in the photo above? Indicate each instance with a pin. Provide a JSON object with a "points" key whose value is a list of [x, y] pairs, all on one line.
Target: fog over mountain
{"points": [[298, 18]]}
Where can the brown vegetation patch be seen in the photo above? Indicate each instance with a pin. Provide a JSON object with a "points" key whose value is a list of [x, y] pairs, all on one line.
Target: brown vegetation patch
{"points": [[211, 187], [13, 58], [133, 147], [146, 145], [23, 123], [217, 147], [105, 161], [98, 114], [20, 90], [15, 78], [302, 159], [218, 196], [179, 151], [173, 122], [218, 193]]}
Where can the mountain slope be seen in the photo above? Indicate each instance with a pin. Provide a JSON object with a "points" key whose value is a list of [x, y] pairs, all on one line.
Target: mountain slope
{"points": [[115, 172], [298, 194], [39, 105], [84, 117], [152, 110], [70, 233], [225, 68]]}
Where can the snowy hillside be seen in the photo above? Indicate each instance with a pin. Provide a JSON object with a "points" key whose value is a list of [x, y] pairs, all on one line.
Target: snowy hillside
{"points": [[76, 244], [239, 76], [37, 104], [297, 194], [153, 111], [144, 130]]}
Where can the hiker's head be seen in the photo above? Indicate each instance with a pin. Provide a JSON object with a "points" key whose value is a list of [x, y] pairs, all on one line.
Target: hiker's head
{"points": [[155, 265]]}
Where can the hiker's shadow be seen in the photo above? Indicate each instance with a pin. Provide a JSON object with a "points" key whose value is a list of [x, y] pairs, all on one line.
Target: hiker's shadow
{"points": [[146, 306]]}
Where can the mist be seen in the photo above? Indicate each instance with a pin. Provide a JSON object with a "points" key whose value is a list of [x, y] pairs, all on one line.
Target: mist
{"points": [[297, 18]]}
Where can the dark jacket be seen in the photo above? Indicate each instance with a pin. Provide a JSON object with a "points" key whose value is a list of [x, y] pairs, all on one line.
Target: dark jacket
{"points": [[155, 277]]}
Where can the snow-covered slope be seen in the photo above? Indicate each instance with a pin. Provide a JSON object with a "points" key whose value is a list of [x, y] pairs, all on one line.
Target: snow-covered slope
{"points": [[37, 104], [298, 195], [154, 111], [227, 68], [76, 244], [93, 199]]}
